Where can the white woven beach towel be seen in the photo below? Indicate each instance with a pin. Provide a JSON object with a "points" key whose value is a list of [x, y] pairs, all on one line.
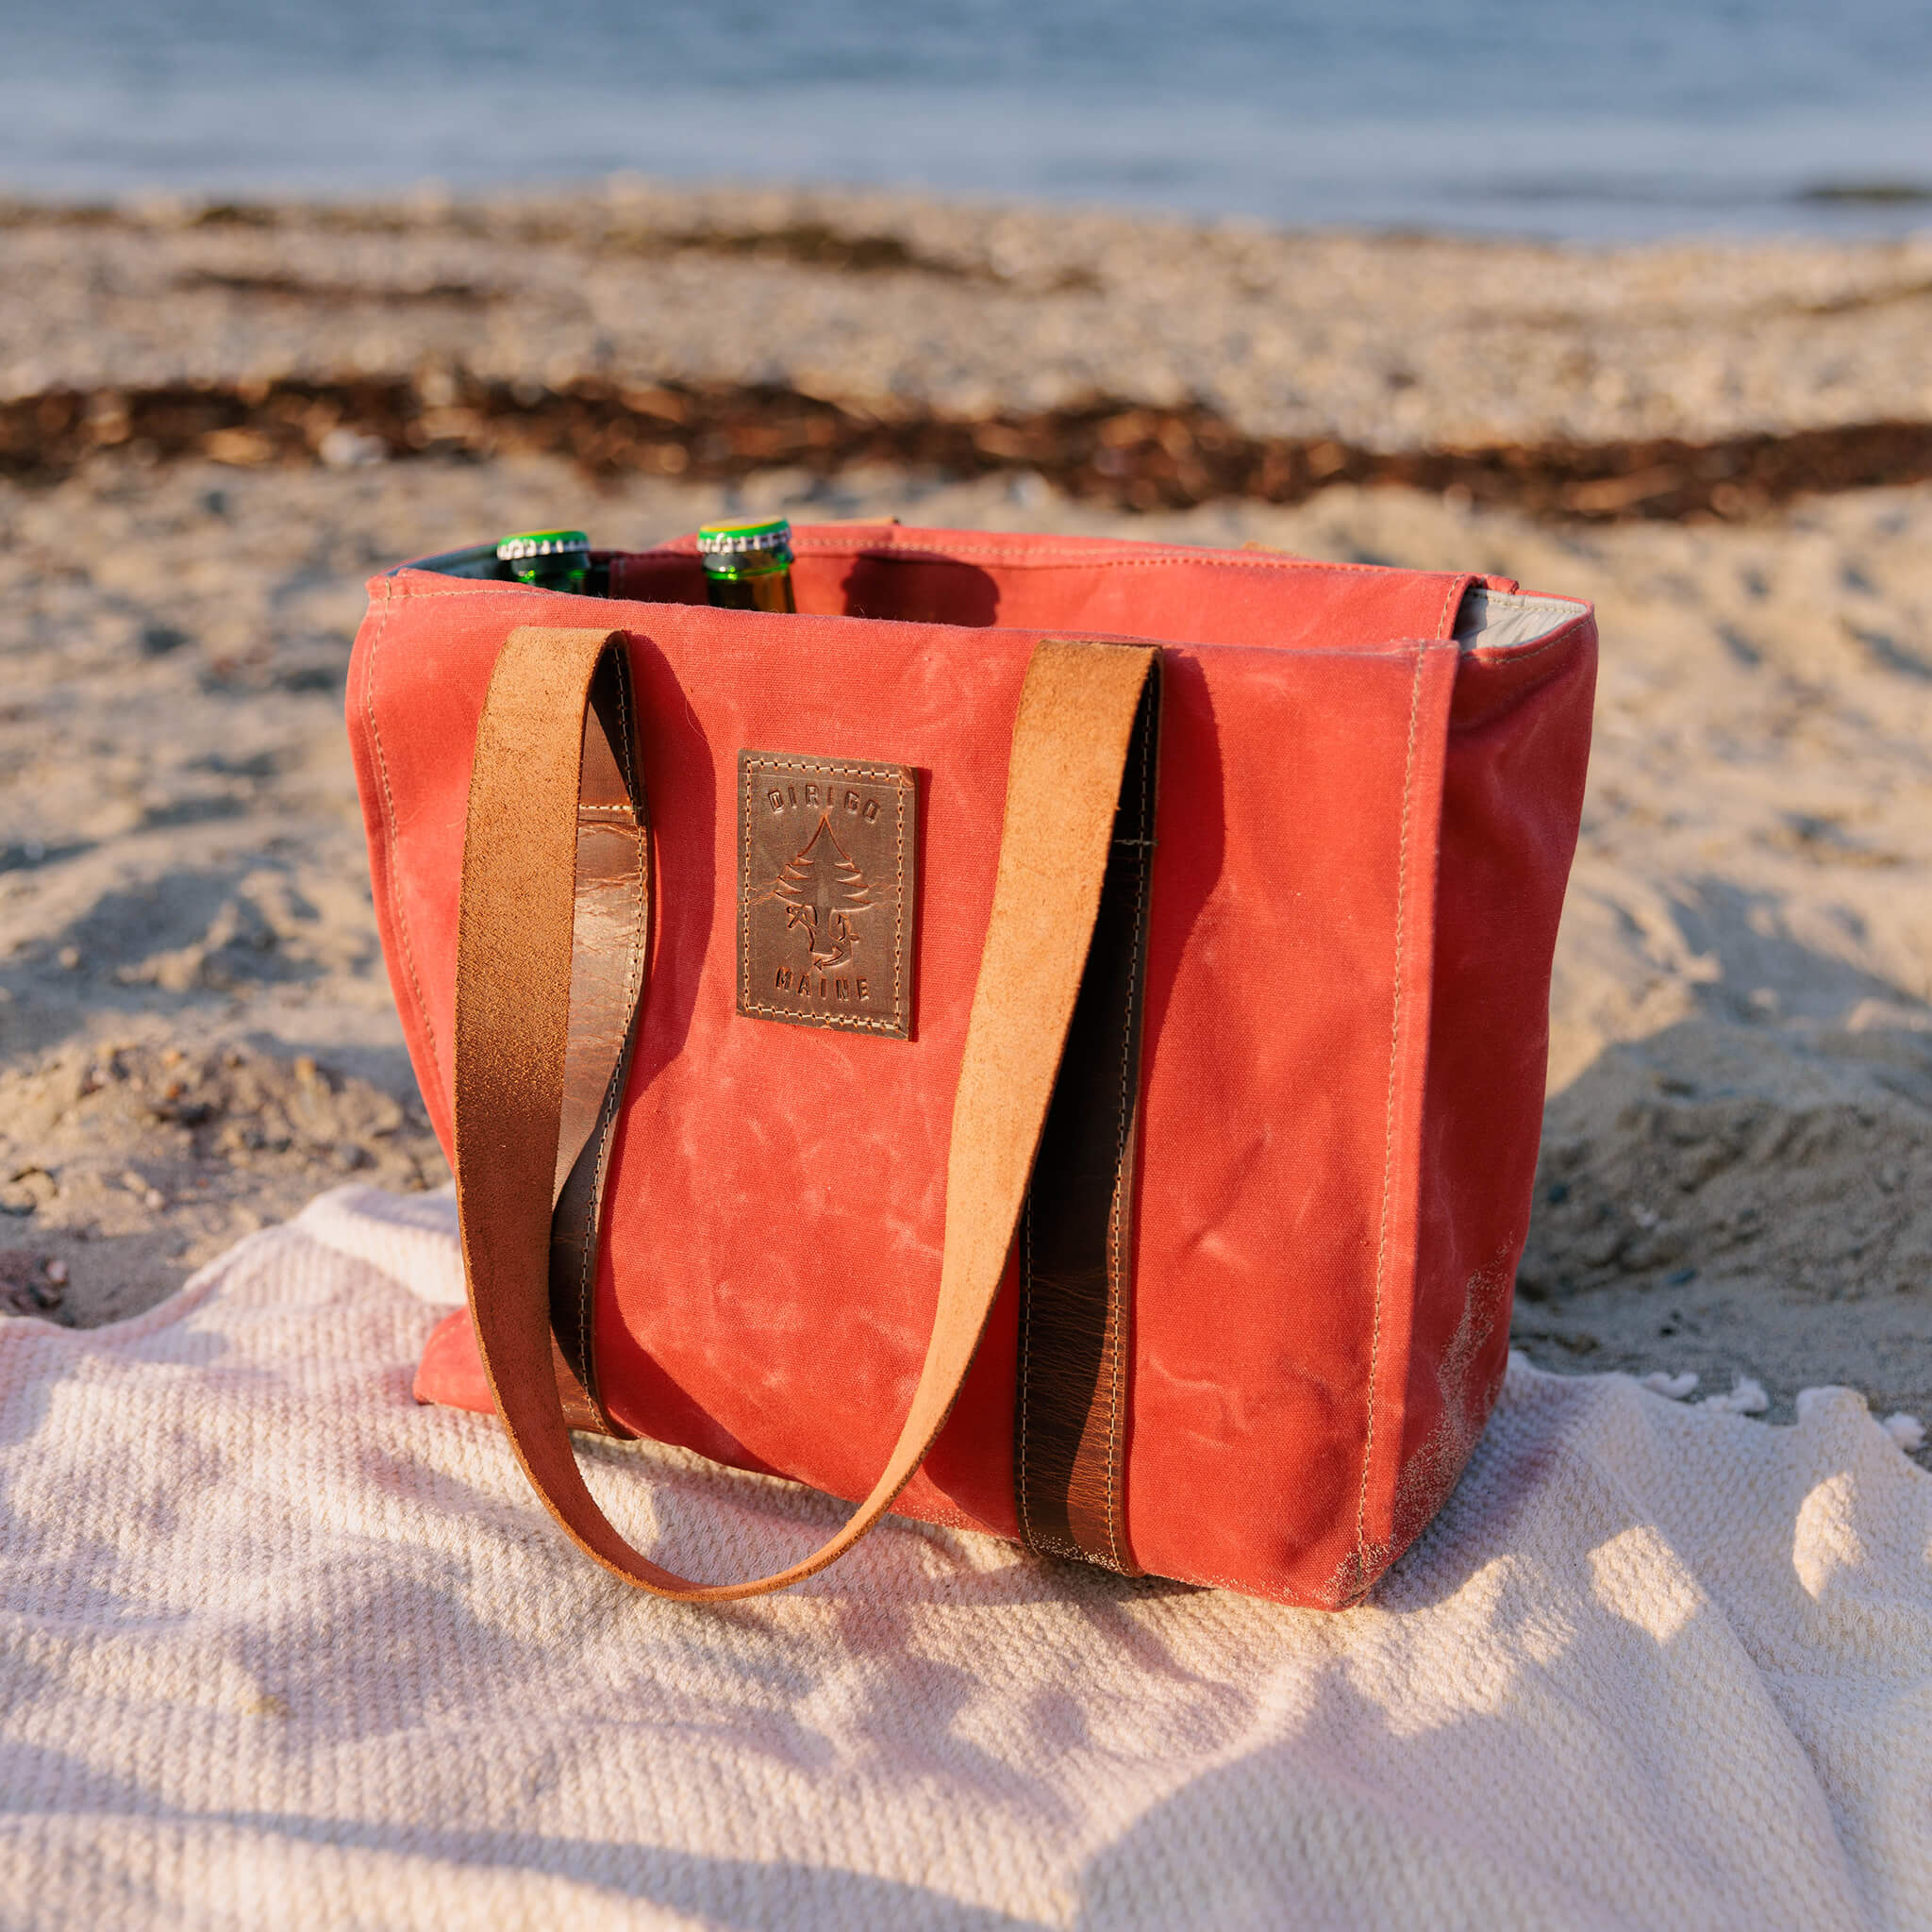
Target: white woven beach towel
{"points": [[283, 1648]]}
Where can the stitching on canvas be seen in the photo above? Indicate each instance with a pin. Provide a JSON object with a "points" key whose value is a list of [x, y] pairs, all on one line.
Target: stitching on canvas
{"points": [[1110, 637], [479, 590], [911, 553], [1361, 1511], [1521, 654], [1027, 560], [1514, 654], [1117, 1230], [388, 827], [743, 883]]}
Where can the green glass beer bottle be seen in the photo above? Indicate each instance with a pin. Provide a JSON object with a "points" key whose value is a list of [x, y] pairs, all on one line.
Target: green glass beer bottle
{"points": [[551, 560], [748, 563]]}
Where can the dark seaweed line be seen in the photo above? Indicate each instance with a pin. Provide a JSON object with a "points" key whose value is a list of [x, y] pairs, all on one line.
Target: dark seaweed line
{"points": [[1126, 455]]}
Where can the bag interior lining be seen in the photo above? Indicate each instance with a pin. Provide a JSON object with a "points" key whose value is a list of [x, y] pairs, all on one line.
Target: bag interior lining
{"points": [[1509, 619]]}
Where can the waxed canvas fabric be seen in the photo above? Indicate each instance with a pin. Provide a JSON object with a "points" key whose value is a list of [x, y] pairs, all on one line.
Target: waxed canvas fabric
{"points": [[1363, 830]]}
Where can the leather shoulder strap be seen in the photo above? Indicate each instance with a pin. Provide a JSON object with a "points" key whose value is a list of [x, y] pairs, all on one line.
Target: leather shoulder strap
{"points": [[513, 969]]}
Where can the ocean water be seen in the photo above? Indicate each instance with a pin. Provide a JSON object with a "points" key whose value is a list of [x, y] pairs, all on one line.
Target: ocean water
{"points": [[1618, 118]]}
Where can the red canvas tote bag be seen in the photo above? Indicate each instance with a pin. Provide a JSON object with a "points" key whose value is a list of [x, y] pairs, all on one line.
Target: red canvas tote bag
{"points": [[1050, 1038]]}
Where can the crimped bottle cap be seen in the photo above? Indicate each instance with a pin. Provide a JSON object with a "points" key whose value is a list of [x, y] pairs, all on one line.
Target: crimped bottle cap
{"points": [[731, 538], [527, 544]]}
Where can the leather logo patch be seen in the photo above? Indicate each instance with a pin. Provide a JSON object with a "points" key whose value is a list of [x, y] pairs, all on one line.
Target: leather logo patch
{"points": [[825, 892]]}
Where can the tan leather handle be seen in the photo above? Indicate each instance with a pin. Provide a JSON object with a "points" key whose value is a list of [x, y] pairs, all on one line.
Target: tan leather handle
{"points": [[513, 969]]}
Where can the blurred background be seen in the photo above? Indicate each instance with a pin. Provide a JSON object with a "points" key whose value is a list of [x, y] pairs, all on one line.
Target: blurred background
{"points": [[1553, 117]]}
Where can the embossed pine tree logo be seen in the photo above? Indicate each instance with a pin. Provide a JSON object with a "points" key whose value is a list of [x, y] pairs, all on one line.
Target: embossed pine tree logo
{"points": [[820, 890]]}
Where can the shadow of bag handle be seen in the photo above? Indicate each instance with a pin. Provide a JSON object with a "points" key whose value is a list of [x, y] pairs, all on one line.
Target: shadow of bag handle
{"points": [[513, 972]]}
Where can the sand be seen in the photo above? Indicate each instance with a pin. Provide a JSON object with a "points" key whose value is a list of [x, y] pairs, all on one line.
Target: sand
{"points": [[195, 1028], [903, 304]]}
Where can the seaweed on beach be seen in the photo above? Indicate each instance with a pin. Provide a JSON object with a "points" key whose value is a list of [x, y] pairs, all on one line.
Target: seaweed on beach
{"points": [[1127, 455]]}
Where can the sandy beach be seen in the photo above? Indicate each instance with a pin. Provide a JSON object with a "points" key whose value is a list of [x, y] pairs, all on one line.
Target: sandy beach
{"points": [[195, 1029]]}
